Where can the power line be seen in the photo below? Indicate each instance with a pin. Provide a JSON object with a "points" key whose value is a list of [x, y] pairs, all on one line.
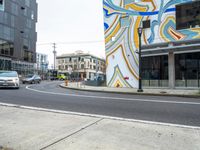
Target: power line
{"points": [[73, 42]]}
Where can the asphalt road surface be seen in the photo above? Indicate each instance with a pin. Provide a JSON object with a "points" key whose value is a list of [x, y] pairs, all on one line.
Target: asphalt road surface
{"points": [[176, 110]]}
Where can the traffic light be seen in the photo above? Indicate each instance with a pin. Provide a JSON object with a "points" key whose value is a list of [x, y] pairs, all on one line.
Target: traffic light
{"points": [[1, 2]]}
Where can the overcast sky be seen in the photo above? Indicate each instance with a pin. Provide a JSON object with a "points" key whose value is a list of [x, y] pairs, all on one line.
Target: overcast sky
{"points": [[64, 21]]}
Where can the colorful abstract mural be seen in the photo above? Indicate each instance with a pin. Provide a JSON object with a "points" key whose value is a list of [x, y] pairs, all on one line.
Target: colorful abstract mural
{"points": [[121, 21]]}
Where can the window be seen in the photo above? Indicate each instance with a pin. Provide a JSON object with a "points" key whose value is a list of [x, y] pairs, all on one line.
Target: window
{"points": [[124, 21], [66, 60], [28, 56], [187, 69], [27, 3], [32, 15], [25, 42], [14, 8], [75, 67], [5, 64], [6, 48], [28, 23], [7, 33], [82, 66], [2, 5], [146, 24], [155, 71], [188, 15], [12, 21], [59, 67]]}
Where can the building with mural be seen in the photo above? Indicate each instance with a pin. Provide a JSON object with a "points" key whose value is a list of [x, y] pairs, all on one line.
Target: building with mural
{"points": [[18, 35], [170, 42]]}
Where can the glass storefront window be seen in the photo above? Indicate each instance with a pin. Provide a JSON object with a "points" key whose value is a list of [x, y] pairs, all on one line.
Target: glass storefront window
{"points": [[155, 71], [187, 69], [5, 64]]}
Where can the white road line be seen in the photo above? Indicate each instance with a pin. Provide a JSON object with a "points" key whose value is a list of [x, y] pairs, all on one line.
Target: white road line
{"points": [[115, 98], [99, 116]]}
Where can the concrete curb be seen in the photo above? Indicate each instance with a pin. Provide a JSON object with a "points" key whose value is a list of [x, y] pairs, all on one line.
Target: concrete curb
{"points": [[131, 93], [98, 116]]}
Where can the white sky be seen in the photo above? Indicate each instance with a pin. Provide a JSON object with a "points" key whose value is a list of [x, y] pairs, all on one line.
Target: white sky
{"points": [[63, 21]]}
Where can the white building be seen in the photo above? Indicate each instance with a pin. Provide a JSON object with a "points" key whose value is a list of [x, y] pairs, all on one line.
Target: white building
{"points": [[81, 65], [42, 63]]}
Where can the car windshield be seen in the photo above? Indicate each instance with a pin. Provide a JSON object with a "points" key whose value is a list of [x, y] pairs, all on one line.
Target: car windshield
{"points": [[8, 74], [29, 76]]}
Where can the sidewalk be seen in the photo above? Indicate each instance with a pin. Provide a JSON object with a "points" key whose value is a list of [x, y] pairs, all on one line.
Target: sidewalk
{"points": [[29, 129], [147, 91]]}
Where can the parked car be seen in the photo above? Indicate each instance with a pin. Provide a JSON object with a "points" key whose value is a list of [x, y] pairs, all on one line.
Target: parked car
{"points": [[32, 79], [9, 79]]}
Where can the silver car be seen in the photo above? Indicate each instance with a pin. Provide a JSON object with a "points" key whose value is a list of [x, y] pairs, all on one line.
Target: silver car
{"points": [[9, 79], [31, 79]]}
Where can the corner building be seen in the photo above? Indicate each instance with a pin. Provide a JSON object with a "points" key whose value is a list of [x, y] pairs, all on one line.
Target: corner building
{"points": [[18, 35], [170, 42]]}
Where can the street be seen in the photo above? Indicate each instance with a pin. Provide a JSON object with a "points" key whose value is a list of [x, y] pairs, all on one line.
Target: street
{"points": [[175, 110]]}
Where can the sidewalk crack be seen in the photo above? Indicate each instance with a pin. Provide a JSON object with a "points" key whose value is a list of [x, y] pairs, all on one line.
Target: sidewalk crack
{"points": [[66, 137]]}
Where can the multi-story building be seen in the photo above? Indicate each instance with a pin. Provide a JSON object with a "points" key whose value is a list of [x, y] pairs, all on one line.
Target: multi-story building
{"points": [[18, 35], [170, 42], [81, 65], [42, 63]]}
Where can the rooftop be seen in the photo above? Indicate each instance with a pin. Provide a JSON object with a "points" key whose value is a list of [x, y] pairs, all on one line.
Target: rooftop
{"points": [[77, 54]]}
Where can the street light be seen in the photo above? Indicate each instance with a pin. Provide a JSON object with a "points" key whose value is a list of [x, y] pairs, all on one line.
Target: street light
{"points": [[140, 62]]}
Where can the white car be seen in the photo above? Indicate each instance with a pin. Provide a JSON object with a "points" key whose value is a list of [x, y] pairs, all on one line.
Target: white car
{"points": [[9, 79]]}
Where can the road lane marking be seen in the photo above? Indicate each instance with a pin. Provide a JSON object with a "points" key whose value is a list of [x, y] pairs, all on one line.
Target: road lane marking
{"points": [[99, 116], [114, 98]]}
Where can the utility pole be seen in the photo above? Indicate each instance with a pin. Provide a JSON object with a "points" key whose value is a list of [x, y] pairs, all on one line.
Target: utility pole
{"points": [[54, 53]]}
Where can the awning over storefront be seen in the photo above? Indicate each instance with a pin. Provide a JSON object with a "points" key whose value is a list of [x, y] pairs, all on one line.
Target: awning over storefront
{"points": [[176, 47]]}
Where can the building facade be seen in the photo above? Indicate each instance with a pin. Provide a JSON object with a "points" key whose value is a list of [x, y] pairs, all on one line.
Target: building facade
{"points": [[42, 63], [81, 65], [170, 42], [18, 35]]}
